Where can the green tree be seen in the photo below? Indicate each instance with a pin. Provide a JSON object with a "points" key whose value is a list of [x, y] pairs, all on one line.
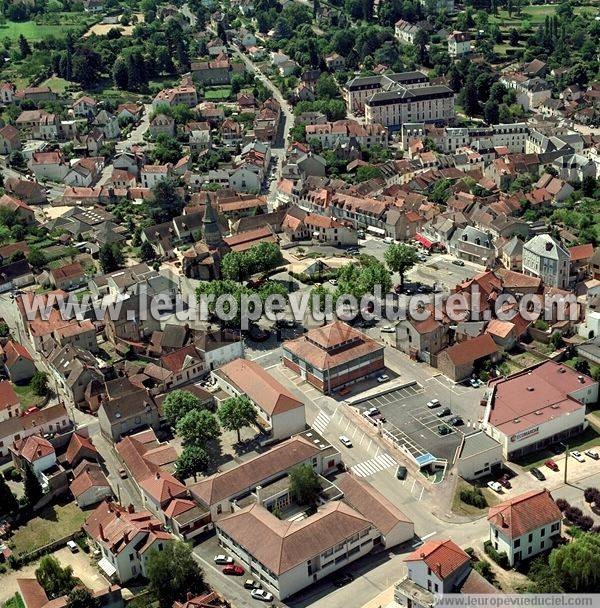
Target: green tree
{"points": [[236, 413], [120, 74], [37, 258], [24, 48], [4, 330], [110, 257], [577, 564], [367, 172], [197, 427], [56, 580], [32, 487], [81, 597], [39, 383], [304, 484], [401, 258], [8, 502], [235, 266], [421, 42], [192, 460], [166, 203], [327, 87], [167, 149], [172, 573], [147, 253], [178, 403]]}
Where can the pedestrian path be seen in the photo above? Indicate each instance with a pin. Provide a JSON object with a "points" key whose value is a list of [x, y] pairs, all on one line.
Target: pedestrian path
{"points": [[369, 467], [321, 422]]}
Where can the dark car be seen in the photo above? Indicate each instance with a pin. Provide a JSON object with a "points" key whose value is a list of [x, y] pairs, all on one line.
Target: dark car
{"points": [[557, 449], [504, 481], [458, 262], [456, 421], [343, 579], [445, 412], [538, 474], [401, 472], [443, 429]]}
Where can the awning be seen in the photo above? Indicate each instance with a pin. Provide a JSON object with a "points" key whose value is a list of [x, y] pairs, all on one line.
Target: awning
{"points": [[423, 240], [107, 567]]}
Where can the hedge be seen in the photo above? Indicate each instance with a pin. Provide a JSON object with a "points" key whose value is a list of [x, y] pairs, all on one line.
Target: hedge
{"points": [[473, 497], [499, 557]]}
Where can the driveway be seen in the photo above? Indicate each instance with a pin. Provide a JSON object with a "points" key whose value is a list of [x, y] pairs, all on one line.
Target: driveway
{"points": [[82, 564]]}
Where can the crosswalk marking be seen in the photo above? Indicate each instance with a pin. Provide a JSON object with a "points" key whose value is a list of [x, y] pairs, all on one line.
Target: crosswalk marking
{"points": [[321, 422], [369, 467]]}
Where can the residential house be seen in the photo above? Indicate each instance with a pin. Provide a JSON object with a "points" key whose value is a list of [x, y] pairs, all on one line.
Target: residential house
{"points": [[10, 403], [461, 360], [68, 277], [90, 485], [546, 258], [421, 340], [10, 139], [107, 123], [18, 208], [459, 44], [525, 525], [49, 165], [162, 124], [85, 106], [18, 362], [152, 174]]}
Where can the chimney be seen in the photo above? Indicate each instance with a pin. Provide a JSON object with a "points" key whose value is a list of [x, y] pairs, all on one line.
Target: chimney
{"points": [[258, 492], [130, 508], [126, 536], [157, 475], [189, 596], [101, 532], [438, 568]]}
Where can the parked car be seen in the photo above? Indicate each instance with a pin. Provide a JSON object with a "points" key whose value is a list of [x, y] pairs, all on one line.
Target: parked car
{"points": [[73, 548], [551, 465], [388, 240], [456, 421], [577, 455], [445, 412], [261, 594], [372, 411], [233, 569], [223, 560], [442, 429], [504, 481], [458, 262], [387, 329], [433, 403], [401, 472], [494, 485], [593, 455], [251, 584], [557, 448], [345, 391], [383, 378], [342, 579], [122, 473], [345, 441], [538, 474], [475, 382]]}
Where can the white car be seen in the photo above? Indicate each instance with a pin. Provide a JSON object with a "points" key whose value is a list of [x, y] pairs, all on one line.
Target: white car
{"points": [[333, 281], [382, 378], [577, 455], [433, 403], [261, 594], [592, 454], [223, 560], [345, 441], [475, 383], [388, 240], [387, 329], [494, 485]]}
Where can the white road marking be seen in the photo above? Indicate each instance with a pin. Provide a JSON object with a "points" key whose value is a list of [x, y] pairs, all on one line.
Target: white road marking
{"points": [[321, 422], [373, 465]]}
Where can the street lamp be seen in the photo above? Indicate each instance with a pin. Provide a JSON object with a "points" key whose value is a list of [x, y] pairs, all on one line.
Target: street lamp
{"points": [[566, 457]]}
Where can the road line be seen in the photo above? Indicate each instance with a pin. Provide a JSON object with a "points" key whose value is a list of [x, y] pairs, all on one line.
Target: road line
{"points": [[428, 535], [421, 495]]}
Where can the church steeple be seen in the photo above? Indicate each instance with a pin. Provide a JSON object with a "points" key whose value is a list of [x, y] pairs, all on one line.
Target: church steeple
{"points": [[210, 227]]}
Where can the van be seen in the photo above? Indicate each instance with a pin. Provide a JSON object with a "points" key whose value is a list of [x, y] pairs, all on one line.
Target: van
{"points": [[73, 548], [388, 240]]}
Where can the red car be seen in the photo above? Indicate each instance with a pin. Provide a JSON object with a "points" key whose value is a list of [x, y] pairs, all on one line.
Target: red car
{"points": [[551, 465], [233, 569]]}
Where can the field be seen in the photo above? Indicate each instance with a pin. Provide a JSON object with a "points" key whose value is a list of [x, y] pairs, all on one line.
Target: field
{"points": [[58, 85], [533, 15], [51, 524], [101, 29], [27, 396], [52, 25], [217, 94]]}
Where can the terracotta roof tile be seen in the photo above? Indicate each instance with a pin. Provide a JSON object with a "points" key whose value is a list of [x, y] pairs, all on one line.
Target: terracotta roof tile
{"points": [[442, 556]]}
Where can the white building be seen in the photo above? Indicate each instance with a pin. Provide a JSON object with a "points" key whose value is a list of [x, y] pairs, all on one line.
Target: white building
{"points": [[537, 407], [545, 257], [459, 44], [525, 525], [124, 538], [479, 455], [405, 31], [152, 174]]}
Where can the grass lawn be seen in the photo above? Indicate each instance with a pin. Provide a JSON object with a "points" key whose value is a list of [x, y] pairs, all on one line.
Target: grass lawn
{"points": [[55, 25], [534, 14], [461, 508], [218, 94], [525, 359], [27, 396], [588, 439], [52, 523], [58, 85]]}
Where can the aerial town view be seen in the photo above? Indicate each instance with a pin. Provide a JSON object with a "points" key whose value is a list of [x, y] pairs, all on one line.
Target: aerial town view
{"points": [[299, 303]]}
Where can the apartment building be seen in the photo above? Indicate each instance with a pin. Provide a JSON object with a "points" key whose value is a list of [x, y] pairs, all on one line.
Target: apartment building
{"points": [[546, 258], [525, 525], [392, 108], [359, 89]]}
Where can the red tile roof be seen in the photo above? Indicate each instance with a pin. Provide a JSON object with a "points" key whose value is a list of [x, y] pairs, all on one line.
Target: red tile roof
{"points": [[79, 445], [443, 557], [8, 397], [255, 382], [469, 351], [522, 514], [88, 479], [581, 252], [33, 448], [14, 350], [68, 272]]}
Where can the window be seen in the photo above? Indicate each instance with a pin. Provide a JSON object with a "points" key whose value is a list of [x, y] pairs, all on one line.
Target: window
{"points": [[529, 550], [517, 543], [543, 532], [530, 538], [436, 587], [555, 527], [219, 509]]}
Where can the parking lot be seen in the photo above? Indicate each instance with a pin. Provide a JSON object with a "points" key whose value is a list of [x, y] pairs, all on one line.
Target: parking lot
{"points": [[411, 423]]}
